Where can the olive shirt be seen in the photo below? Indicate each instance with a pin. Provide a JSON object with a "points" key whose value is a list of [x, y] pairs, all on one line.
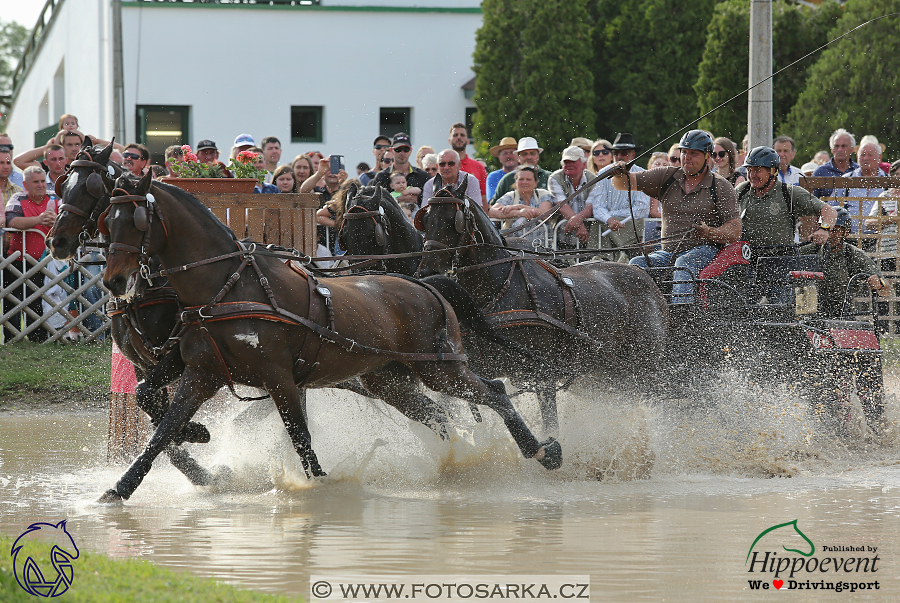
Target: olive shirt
{"points": [[506, 183], [682, 210], [770, 219], [838, 266]]}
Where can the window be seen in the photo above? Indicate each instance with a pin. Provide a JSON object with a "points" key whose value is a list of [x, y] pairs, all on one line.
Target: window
{"points": [[470, 121], [306, 124], [160, 126], [393, 120]]}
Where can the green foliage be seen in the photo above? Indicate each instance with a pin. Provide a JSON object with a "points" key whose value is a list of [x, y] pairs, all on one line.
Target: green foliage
{"points": [[853, 85], [99, 579], [533, 77], [12, 42], [724, 71], [54, 368]]}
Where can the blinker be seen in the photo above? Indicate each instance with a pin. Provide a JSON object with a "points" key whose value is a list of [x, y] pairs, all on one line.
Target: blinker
{"points": [[94, 185], [141, 221]]}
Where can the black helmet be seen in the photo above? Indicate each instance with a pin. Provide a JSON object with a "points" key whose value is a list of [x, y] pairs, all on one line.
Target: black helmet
{"points": [[762, 157], [843, 219], [697, 140]]}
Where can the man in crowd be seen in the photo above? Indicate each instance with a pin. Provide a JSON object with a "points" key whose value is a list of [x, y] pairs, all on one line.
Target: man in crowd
{"points": [[55, 162], [699, 211], [613, 210], [459, 140], [573, 177], [136, 157], [271, 150], [6, 146], [381, 144], [787, 173], [31, 209], [529, 153], [862, 199], [7, 187], [506, 153], [450, 174], [842, 143], [174, 153], [415, 177]]}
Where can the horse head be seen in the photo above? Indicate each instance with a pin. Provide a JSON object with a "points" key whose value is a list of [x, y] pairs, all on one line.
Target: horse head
{"points": [[366, 229], [84, 193], [127, 222], [450, 220]]}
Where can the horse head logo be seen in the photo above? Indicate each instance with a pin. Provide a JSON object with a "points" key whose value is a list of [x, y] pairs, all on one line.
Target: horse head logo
{"points": [[25, 555], [785, 534]]}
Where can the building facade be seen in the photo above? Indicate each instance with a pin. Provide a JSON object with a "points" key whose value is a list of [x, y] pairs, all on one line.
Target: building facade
{"points": [[326, 75]]}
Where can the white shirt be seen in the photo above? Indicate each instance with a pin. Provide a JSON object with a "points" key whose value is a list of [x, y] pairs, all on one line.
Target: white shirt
{"points": [[579, 202], [792, 176], [473, 188], [611, 203]]}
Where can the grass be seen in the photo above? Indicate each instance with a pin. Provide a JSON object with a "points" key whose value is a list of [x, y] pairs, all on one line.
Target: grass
{"points": [[31, 372], [99, 579]]}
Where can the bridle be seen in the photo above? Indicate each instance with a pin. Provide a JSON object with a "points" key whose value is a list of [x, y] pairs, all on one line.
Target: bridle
{"points": [[463, 223], [145, 209], [382, 225], [95, 187]]}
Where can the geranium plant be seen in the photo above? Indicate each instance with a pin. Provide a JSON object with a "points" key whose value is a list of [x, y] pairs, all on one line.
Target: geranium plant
{"points": [[244, 166], [190, 167]]}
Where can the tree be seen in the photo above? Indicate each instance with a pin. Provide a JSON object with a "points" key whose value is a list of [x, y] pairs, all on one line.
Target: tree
{"points": [[12, 44], [724, 70], [853, 84], [532, 77]]}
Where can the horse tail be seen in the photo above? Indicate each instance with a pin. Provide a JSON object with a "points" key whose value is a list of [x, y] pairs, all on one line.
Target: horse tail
{"points": [[470, 316]]}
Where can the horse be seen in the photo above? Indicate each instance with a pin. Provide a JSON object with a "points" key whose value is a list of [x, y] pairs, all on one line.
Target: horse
{"points": [[284, 329], [601, 318]]}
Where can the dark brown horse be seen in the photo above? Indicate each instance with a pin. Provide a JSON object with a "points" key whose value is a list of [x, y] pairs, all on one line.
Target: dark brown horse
{"points": [[599, 318], [254, 319]]}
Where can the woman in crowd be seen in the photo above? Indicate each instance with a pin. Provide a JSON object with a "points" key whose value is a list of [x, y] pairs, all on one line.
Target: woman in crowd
{"points": [[285, 179], [430, 164], [675, 155], [420, 154], [725, 158], [524, 202], [658, 159], [302, 167], [601, 155]]}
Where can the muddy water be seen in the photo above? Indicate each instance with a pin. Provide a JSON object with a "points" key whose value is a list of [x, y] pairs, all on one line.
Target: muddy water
{"points": [[655, 501]]}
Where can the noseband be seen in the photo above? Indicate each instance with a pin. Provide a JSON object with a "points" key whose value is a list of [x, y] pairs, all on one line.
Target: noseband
{"points": [[382, 226]]}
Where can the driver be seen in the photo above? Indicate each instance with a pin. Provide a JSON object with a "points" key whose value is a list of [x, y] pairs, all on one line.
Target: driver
{"points": [[840, 262], [699, 211]]}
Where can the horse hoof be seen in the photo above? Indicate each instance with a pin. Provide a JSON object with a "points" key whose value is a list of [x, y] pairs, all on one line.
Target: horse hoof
{"points": [[194, 433], [110, 497], [552, 454]]}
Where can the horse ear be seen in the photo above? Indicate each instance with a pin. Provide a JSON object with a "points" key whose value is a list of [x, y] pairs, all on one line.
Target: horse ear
{"points": [[143, 186], [87, 142], [352, 190], [103, 157]]}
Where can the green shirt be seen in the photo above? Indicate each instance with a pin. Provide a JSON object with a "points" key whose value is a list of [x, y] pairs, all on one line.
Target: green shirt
{"points": [[770, 220], [838, 267], [506, 183]]}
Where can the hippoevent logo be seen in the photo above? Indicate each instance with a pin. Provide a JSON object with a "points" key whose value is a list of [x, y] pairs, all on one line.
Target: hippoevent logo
{"points": [[42, 580], [841, 567]]}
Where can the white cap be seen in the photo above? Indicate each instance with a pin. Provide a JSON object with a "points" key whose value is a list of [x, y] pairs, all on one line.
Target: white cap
{"points": [[573, 154]]}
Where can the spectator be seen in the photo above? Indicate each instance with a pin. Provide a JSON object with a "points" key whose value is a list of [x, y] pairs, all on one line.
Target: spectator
{"points": [[361, 168], [331, 216], [158, 171], [725, 158], [208, 152], [529, 153], [784, 146], [136, 156], [55, 165], [332, 183], [563, 182], [459, 140], [675, 155], [449, 174], [284, 179], [525, 202], [884, 165], [505, 152], [7, 188], [379, 146], [842, 143], [689, 207], [821, 158], [611, 208], [68, 123], [423, 150], [6, 146], [316, 157], [398, 184], [271, 150], [885, 217], [303, 169], [415, 177], [582, 143], [658, 159], [430, 165], [858, 204], [601, 155], [176, 153], [808, 168], [31, 209], [241, 143], [742, 153]]}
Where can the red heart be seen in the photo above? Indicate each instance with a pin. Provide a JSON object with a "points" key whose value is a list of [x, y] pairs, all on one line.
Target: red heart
{"points": [[778, 583]]}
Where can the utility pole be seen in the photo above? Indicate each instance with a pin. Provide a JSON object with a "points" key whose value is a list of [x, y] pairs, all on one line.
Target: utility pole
{"points": [[759, 114], [118, 74]]}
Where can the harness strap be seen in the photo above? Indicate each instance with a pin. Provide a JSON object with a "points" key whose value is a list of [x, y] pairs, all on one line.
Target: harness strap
{"points": [[520, 318]]}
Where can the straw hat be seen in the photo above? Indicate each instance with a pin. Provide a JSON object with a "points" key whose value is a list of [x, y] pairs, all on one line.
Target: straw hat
{"points": [[507, 142]]}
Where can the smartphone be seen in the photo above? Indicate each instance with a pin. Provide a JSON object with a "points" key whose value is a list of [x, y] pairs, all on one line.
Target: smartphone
{"points": [[337, 163]]}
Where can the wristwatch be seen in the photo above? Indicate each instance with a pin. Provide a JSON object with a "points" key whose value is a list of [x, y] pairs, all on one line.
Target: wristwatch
{"points": [[825, 226]]}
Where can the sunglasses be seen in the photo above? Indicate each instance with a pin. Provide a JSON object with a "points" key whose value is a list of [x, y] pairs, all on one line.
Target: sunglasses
{"points": [[720, 154], [131, 156], [382, 146], [387, 160], [6, 148], [674, 159], [446, 163], [597, 152], [431, 170], [403, 149]]}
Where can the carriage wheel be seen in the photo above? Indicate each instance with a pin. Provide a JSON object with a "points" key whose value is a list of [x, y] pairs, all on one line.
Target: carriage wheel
{"points": [[844, 381]]}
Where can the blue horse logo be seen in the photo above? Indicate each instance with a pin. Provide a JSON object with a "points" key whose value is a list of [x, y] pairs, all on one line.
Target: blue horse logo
{"points": [[812, 547], [29, 575]]}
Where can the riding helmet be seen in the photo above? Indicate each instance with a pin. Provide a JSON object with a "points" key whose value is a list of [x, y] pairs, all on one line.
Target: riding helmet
{"points": [[762, 157], [698, 140], [843, 219]]}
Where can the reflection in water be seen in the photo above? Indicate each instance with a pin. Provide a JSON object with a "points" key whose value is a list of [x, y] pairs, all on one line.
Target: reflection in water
{"points": [[400, 502]]}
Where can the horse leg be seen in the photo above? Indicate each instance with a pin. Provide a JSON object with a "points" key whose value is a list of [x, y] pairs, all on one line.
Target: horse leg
{"points": [[546, 395], [291, 404], [193, 391], [396, 385], [455, 379], [151, 397]]}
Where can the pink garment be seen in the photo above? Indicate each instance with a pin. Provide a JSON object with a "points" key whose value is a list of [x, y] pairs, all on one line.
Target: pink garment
{"points": [[122, 379]]}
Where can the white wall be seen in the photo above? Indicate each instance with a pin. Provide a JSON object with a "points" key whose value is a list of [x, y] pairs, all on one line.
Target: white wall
{"points": [[241, 68]]}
